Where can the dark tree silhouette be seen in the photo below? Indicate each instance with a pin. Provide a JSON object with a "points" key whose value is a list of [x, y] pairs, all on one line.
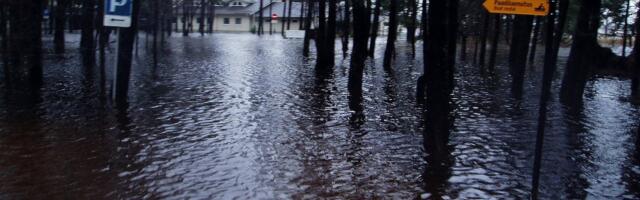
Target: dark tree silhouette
{"points": [[346, 28], [289, 15], [185, 17], [358, 54], [412, 25], [635, 81], [439, 72], [534, 40], [586, 54], [389, 53], [519, 51], [375, 26], [483, 40], [87, 43], [331, 32], [321, 36], [203, 16], [307, 28], [24, 66], [59, 18], [497, 25]]}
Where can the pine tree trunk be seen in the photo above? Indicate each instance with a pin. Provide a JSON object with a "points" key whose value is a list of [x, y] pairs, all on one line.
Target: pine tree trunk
{"points": [[60, 18], [203, 16], [185, 18], [521, 37], [358, 55], [483, 40], [270, 12], [375, 26], [25, 32], [307, 24], [346, 28], [412, 26], [331, 32], [585, 53], [321, 36], [302, 14], [534, 40], [439, 70], [289, 15], [87, 48], [635, 81], [4, 42], [284, 18], [494, 42], [389, 53], [625, 29]]}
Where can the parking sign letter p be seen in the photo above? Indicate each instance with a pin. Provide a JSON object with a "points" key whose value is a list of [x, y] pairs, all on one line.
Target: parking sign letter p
{"points": [[116, 3]]}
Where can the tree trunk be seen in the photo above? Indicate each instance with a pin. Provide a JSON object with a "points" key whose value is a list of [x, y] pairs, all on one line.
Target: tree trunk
{"points": [[25, 34], [519, 50], [346, 29], [375, 26], [87, 48], [439, 71], [389, 53], [307, 33], [635, 81], [4, 42], [412, 25], [494, 42], [562, 20], [126, 39], [358, 55], [60, 18], [331, 32], [626, 27], [534, 40], [586, 54], [212, 16], [463, 47], [289, 15], [185, 18], [156, 19], [483, 40], [270, 12], [284, 18], [103, 40], [203, 17], [321, 36], [302, 14]]}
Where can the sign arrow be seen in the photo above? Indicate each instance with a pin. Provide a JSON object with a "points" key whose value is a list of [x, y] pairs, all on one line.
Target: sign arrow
{"points": [[518, 7]]}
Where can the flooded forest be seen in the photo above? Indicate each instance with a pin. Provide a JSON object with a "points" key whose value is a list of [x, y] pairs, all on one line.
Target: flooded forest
{"points": [[319, 99]]}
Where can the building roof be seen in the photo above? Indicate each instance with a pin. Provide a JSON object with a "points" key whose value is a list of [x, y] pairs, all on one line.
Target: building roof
{"points": [[277, 8], [237, 10]]}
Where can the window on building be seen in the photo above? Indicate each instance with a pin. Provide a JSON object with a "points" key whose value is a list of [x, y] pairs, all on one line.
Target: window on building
{"points": [[238, 20], [294, 21], [227, 21]]}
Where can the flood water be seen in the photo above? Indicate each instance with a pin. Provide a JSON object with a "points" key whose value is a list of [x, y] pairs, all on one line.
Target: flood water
{"points": [[236, 116]]}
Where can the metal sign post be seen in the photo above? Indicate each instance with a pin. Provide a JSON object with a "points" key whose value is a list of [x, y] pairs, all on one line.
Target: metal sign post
{"points": [[117, 13]]}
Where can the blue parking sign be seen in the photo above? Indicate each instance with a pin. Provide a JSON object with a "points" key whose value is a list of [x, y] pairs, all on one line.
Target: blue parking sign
{"points": [[117, 13]]}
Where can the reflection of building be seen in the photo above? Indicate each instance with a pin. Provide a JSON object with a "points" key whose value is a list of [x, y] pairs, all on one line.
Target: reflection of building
{"points": [[236, 15]]}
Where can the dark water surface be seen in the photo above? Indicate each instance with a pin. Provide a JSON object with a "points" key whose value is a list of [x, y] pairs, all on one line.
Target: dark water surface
{"points": [[242, 117]]}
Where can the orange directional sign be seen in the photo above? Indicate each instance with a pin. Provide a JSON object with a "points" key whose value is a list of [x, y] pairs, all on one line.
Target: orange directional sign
{"points": [[518, 7]]}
